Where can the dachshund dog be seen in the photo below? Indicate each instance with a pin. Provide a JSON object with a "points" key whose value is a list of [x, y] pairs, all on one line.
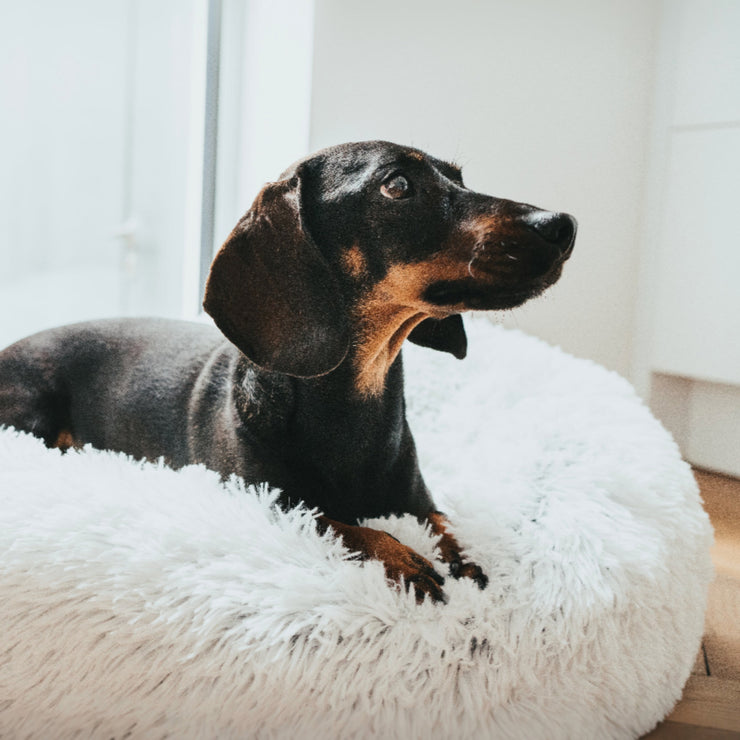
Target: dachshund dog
{"points": [[353, 250]]}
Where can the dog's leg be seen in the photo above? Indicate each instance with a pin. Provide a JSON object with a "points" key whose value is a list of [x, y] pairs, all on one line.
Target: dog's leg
{"points": [[400, 561], [23, 407], [451, 551]]}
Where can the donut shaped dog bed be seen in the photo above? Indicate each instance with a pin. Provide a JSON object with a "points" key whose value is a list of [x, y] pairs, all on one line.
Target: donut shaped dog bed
{"points": [[140, 602]]}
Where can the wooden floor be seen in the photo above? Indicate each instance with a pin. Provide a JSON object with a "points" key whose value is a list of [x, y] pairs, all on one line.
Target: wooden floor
{"points": [[710, 707]]}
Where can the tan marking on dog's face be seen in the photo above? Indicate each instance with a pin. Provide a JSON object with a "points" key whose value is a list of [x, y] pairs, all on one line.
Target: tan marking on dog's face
{"points": [[386, 314], [484, 229], [354, 262], [416, 155], [391, 310]]}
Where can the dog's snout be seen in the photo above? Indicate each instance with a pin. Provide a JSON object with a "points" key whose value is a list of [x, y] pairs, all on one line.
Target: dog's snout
{"points": [[558, 229]]}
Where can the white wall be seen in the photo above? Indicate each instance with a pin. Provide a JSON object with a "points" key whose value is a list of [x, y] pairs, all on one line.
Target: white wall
{"points": [[62, 134], [265, 99], [100, 125], [542, 102]]}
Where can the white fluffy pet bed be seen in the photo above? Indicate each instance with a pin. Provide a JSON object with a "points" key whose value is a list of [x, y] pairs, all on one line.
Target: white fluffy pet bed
{"points": [[139, 602]]}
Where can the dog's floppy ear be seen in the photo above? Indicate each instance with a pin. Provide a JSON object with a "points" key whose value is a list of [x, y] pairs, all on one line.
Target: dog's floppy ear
{"points": [[272, 293], [446, 335]]}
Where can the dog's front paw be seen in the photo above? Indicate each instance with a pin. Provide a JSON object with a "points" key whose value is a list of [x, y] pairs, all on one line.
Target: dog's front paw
{"points": [[451, 553], [460, 568], [401, 563]]}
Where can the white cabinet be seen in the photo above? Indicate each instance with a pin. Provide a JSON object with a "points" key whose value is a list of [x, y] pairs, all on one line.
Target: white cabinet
{"points": [[698, 288], [691, 278]]}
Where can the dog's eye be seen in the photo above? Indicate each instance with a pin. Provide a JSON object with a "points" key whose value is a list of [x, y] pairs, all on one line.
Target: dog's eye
{"points": [[395, 187]]}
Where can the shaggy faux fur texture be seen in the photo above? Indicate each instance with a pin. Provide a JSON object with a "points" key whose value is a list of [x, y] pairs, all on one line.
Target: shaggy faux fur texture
{"points": [[139, 602]]}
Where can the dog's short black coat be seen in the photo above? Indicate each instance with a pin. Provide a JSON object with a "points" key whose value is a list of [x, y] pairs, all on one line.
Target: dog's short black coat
{"points": [[353, 250]]}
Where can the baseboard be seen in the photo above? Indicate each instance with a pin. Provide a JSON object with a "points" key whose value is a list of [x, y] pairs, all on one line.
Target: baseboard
{"points": [[703, 417]]}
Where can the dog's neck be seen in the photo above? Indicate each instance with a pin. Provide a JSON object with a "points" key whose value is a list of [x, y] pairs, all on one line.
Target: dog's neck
{"points": [[361, 458], [379, 336], [383, 317]]}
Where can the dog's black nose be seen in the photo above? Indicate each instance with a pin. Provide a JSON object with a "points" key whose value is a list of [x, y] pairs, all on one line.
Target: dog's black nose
{"points": [[558, 229]]}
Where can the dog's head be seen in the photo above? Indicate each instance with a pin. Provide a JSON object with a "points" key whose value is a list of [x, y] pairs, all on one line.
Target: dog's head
{"points": [[373, 238]]}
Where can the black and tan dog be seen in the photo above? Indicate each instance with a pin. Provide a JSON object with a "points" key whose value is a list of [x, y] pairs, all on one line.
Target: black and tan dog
{"points": [[353, 250]]}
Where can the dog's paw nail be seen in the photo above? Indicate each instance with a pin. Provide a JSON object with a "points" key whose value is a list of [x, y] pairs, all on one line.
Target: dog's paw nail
{"points": [[437, 578], [432, 590], [459, 569]]}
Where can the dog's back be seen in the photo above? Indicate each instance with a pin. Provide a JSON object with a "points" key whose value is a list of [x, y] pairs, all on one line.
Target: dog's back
{"points": [[122, 384]]}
